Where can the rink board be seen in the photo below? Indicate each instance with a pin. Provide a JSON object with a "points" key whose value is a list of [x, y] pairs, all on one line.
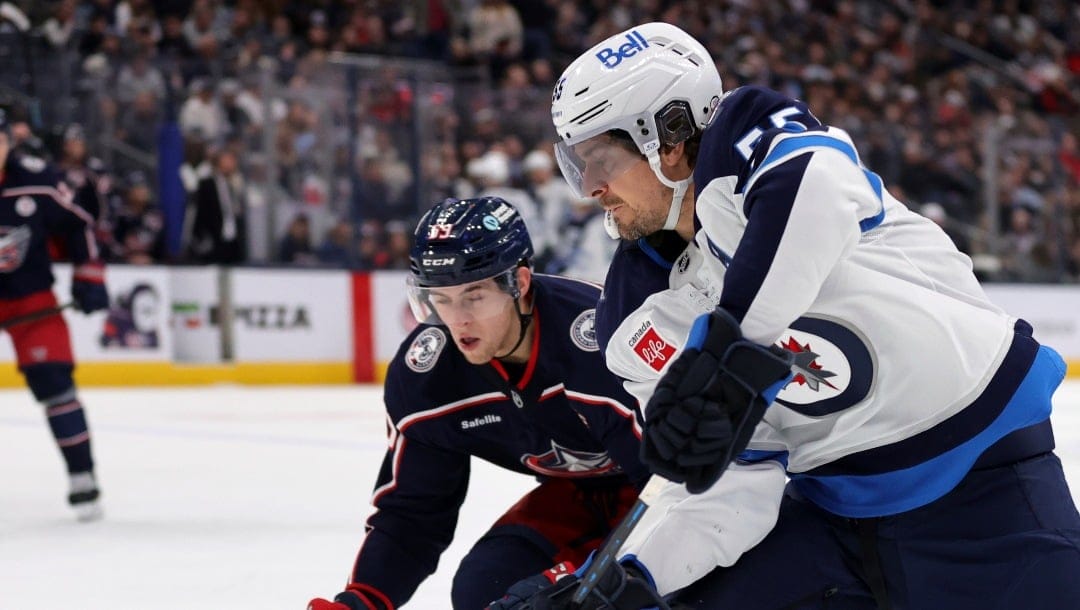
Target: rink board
{"points": [[211, 325]]}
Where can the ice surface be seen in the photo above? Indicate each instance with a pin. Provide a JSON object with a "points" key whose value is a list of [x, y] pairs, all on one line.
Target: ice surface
{"points": [[230, 498]]}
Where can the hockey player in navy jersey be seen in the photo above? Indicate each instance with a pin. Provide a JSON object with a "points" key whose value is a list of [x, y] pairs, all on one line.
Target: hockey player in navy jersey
{"points": [[907, 461], [34, 208], [505, 368]]}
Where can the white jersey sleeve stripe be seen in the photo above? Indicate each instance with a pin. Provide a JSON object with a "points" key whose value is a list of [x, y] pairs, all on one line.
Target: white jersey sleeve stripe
{"points": [[797, 144]]}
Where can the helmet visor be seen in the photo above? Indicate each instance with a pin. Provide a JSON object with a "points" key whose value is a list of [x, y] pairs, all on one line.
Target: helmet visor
{"points": [[450, 305], [595, 162]]}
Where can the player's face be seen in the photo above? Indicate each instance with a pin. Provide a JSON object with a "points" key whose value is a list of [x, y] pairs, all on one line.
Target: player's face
{"points": [[621, 180], [481, 317], [637, 201]]}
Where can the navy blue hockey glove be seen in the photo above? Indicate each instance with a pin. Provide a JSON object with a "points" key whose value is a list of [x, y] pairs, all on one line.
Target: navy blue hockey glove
{"points": [[619, 588], [705, 407], [88, 287]]}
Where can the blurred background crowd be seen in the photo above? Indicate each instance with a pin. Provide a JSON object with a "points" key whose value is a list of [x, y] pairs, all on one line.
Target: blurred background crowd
{"points": [[312, 132]]}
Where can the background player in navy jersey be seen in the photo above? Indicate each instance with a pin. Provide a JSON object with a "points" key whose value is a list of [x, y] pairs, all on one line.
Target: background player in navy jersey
{"points": [[912, 418], [34, 208], [505, 367]]}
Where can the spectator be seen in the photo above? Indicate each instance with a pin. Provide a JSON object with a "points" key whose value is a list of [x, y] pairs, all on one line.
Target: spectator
{"points": [[201, 115], [496, 35], [398, 244], [295, 247], [218, 233], [371, 252], [139, 122], [337, 248], [137, 77], [59, 28], [138, 231]]}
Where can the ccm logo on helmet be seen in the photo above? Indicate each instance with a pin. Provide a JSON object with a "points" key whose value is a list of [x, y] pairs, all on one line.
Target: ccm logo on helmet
{"points": [[612, 57], [438, 262]]}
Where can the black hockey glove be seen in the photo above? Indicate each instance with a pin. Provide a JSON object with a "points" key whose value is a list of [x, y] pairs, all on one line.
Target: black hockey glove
{"points": [[619, 588], [705, 407]]}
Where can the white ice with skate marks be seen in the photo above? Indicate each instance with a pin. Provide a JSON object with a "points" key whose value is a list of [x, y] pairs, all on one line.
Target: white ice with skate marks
{"points": [[231, 498]]}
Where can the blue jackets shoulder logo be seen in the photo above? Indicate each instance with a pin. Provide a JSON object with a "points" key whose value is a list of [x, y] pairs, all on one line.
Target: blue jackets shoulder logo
{"points": [[583, 331], [613, 56], [425, 350]]}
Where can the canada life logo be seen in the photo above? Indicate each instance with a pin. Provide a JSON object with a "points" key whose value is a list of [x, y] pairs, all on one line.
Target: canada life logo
{"points": [[653, 349], [611, 56]]}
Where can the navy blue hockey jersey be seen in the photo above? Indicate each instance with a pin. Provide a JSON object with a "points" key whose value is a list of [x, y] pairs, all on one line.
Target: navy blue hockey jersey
{"points": [[566, 417], [34, 207]]}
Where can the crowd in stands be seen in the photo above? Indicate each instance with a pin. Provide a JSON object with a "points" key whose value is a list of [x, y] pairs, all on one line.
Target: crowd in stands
{"points": [[968, 109]]}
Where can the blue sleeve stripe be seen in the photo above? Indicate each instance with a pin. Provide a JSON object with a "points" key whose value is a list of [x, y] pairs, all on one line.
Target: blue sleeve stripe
{"points": [[718, 252], [809, 142], [754, 456], [875, 183], [698, 332]]}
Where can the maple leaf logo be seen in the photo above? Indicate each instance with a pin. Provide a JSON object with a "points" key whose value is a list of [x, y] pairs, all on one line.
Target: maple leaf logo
{"points": [[807, 371]]}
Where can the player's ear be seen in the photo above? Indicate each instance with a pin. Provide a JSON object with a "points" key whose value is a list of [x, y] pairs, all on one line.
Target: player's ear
{"points": [[674, 161], [524, 279], [670, 156]]}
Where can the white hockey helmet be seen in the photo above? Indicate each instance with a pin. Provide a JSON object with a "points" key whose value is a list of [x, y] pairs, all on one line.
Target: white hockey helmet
{"points": [[654, 81]]}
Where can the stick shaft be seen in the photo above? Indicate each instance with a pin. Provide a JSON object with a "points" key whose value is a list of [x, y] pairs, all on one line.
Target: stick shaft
{"points": [[615, 540], [34, 315]]}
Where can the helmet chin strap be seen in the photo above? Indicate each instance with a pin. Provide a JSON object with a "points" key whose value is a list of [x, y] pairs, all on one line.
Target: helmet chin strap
{"points": [[524, 319], [610, 227], [678, 187]]}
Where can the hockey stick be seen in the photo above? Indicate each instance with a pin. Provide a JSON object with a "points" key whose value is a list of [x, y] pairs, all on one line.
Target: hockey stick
{"points": [[34, 315], [607, 553]]}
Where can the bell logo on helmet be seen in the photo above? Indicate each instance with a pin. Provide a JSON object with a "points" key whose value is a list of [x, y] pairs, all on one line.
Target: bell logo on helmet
{"points": [[612, 57]]}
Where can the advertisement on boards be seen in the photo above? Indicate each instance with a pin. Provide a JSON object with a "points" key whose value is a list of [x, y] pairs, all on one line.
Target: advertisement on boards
{"points": [[1052, 310], [196, 332], [135, 327], [291, 315]]}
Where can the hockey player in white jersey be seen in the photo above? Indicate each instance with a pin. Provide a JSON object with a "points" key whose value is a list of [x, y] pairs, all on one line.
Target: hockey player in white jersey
{"points": [[908, 461]]}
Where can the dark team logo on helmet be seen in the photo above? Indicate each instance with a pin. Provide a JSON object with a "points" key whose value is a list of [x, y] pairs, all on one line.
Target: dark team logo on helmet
{"points": [[564, 462], [583, 331], [425, 350], [556, 95]]}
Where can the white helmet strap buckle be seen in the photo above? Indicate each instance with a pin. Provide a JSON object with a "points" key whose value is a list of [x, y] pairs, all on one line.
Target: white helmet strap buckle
{"points": [[678, 187]]}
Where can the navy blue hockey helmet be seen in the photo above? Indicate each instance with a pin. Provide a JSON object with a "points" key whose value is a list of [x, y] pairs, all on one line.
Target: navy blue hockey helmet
{"points": [[466, 240]]}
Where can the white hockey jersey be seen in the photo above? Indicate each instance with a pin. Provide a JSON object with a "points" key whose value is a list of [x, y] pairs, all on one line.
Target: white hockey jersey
{"points": [[904, 372]]}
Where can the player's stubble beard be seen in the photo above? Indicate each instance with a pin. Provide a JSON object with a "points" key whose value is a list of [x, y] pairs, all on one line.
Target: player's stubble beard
{"points": [[645, 221]]}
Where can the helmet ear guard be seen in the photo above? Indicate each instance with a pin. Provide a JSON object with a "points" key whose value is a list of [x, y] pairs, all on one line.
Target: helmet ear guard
{"points": [[675, 122]]}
